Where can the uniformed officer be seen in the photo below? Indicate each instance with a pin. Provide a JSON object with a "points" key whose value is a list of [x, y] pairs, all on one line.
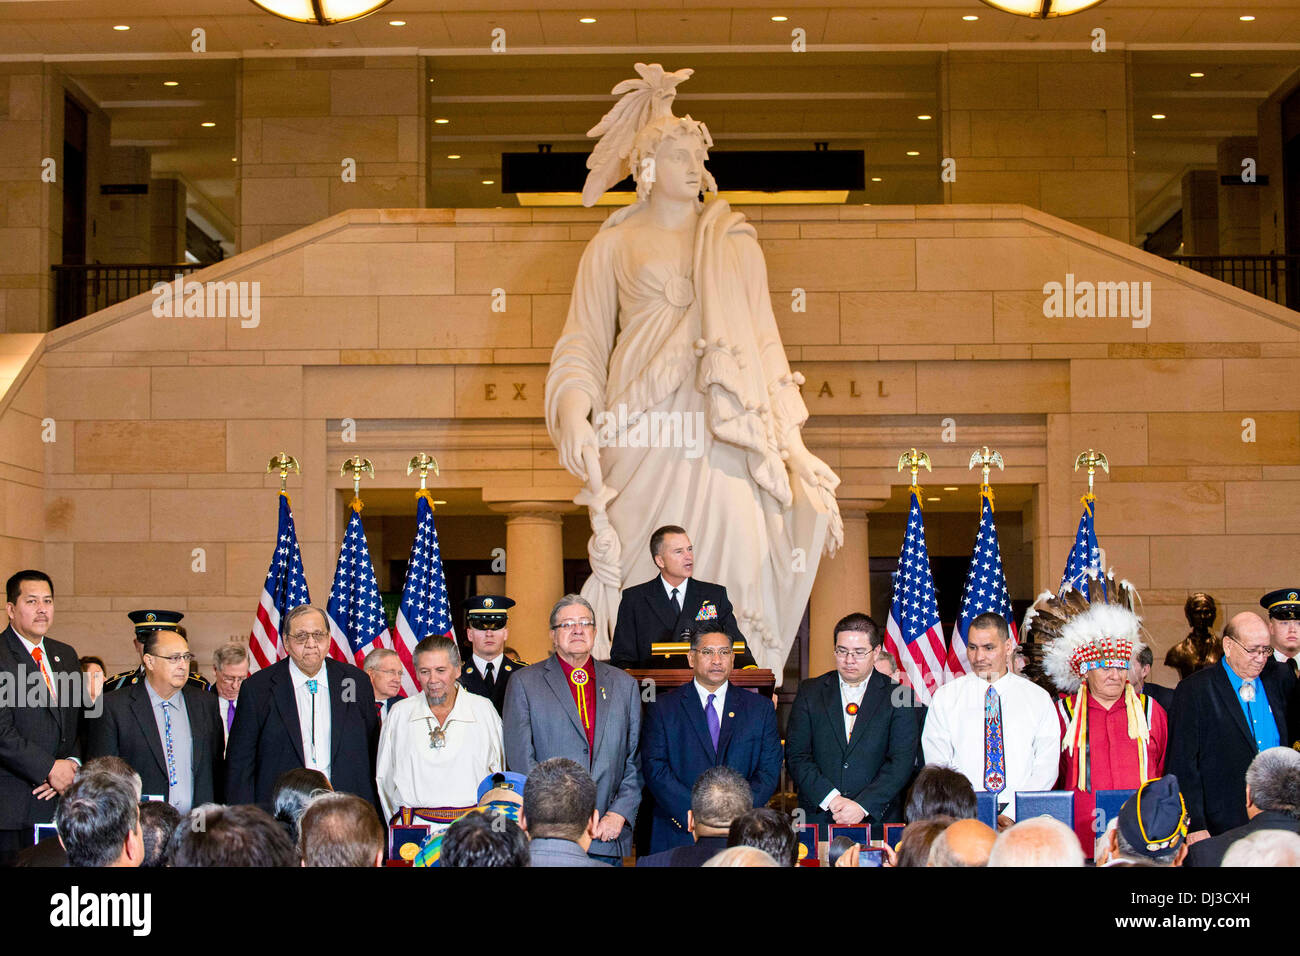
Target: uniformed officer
{"points": [[1283, 606], [487, 669], [145, 622]]}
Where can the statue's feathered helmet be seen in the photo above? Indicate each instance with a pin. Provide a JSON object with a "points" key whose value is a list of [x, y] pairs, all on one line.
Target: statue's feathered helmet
{"points": [[633, 129], [1084, 628]]}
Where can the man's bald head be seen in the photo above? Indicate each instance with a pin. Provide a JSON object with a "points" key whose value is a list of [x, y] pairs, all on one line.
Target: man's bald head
{"points": [[1246, 644], [964, 843]]}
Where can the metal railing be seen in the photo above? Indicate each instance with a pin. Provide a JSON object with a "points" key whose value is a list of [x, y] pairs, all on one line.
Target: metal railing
{"points": [[81, 290], [1276, 278]]}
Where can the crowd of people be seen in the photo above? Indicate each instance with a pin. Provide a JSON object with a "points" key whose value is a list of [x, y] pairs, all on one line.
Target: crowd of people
{"points": [[313, 761]]}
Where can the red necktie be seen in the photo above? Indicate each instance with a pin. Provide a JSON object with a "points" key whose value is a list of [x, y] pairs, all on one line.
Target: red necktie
{"points": [[38, 655]]}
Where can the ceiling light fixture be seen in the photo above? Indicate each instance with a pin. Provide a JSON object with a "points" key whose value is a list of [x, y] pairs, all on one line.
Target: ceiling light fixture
{"points": [[1042, 9], [913, 152], [442, 121], [122, 27], [1246, 19], [171, 83], [489, 182], [969, 17], [1157, 115], [321, 12], [780, 19], [876, 179], [453, 155], [950, 487], [208, 125], [924, 116], [586, 19], [1196, 76], [397, 23]]}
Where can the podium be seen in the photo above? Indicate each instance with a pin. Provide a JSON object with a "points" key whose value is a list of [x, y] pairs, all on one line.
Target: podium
{"points": [[757, 679]]}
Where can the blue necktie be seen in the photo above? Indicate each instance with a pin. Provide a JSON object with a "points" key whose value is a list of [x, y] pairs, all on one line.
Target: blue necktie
{"points": [[311, 686], [711, 718], [995, 765], [172, 779]]}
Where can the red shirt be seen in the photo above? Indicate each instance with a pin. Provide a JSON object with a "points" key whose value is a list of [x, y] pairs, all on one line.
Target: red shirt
{"points": [[583, 689]]}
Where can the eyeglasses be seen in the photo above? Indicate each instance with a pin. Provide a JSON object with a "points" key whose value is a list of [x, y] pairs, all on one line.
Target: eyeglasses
{"points": [[568, 626], [303, 638], [173, 658], [710, 653], [1258, 652], [857, 653]]}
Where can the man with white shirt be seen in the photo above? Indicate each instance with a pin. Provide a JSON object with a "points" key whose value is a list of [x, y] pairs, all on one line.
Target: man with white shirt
{"points": [[707, 723], [385, 670], [307, 710], [40, 724], [849, 744], [998, 729], [437, 746], [229, 671], [488, 670]]}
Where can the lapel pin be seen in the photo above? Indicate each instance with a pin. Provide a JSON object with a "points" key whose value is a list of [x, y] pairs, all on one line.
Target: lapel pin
{"points": [[602, 693], [731, 713], [57, 659]]}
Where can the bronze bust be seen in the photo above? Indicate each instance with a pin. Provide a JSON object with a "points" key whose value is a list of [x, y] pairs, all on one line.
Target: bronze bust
{"points": [[1202, 646]]}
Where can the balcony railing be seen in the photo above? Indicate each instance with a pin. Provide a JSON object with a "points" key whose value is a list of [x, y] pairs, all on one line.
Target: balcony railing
{"points": [[81, 290], [1276, 278]]}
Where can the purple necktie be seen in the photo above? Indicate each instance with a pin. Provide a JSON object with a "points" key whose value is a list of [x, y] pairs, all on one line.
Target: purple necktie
{"points": [[711, 718], [230, 716]]}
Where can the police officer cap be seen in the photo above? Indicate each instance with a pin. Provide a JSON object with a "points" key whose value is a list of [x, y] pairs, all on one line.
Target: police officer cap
{"points": [[506, 780], [147, 621], [1154, 820], [1282, 604], [487, 612]]}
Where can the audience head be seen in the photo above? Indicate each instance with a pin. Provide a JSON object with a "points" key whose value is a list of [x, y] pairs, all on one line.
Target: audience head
{"points": [[987, 640], [306, 632], [672, 553], [939, 792], [158, 819], [437, 668], [230, 668], [341, 829], [963, 843], [856, 639], [114, 766], [484, 838], [1246, 644], [1152, 824], [98, 821], [1038, 841], [918, 837], [768, 830], [503, 786], [1265, 848], [30, 597], [1273, 782], [213, 835], [293, 790], [573, 629], [559, 802], [838, 847], [742, 856], [886, 664], [719, 796]]}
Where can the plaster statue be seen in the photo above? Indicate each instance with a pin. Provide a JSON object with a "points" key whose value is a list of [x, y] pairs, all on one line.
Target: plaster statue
{"points": [[669, 393]]}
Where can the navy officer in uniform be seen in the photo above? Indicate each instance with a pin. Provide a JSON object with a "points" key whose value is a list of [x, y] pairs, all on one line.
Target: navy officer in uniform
{"points": [[145, 623], [487, 669]]}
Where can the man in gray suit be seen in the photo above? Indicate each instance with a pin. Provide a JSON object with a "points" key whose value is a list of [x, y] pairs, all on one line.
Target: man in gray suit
{"points": [[573, 706], [560, 814]]}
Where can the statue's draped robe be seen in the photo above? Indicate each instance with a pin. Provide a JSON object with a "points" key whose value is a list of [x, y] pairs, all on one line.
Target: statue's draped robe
{"points": [[646, 337]]}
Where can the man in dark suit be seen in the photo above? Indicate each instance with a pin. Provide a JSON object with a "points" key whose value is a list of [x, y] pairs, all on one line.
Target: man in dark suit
{"points": [[166, 728], [719, 796], [1139, 670], [305, 711], [1224, 715], [385, 670], [40, 729], [486, 670], [660, 609], [1272, 803], [571, 705], [850, 750], [709, 722]]}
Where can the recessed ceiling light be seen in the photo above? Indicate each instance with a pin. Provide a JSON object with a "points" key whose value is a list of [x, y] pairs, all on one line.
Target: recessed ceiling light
{"points": [[586, 19], [489, 182], [970, 16], [208, 124], [171, 82], [931, 499], [122, 27], [780, 19], [453, 155], [439, 501], [1196, 76], [397, 23], [876, 179], [1157, 115], [924, 116], [950, 487], [913, 152], [1246, 18], [234, 159], [442, 121]]}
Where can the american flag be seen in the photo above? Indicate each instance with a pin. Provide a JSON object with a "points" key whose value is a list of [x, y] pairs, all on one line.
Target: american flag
{"points": [[356, 611], [985, 590], [285, 589], [914, 634], [424, 610], [1085, 557]]}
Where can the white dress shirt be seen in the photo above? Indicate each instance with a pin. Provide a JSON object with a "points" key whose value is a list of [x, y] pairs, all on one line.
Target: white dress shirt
{"points": [[46, 671], [223, 706], [848, 695], [411, 773], [720, 695], [680, 588], [481, 665], [318, 757], [1031, 733]]}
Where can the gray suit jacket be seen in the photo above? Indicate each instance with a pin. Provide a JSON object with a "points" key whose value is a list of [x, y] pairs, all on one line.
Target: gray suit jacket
{"points": [[548, 852], [541, 721]]}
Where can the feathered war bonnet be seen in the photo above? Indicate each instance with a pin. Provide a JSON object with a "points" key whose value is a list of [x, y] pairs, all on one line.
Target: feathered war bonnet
{"points": [[1080, 630]]}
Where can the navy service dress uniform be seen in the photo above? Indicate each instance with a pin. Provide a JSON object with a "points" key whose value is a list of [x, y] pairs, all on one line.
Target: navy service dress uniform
{"points": [[487, 612], [145, 622]]}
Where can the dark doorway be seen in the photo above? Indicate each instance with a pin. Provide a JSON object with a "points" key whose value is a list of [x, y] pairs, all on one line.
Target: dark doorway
{"points": [[1291, 190], [73, 175]]}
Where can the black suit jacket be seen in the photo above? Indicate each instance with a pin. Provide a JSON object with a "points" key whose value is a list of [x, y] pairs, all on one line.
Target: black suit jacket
{"points": [[1164, 696], [695, 854], [127, 729], [1210, 852], [32, 738], [646, 616], [473, 681], [266, 738], [871, 767], [1210, 746]]}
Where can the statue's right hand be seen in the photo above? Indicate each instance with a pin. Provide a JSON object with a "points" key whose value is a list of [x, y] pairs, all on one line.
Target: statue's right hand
{"points": [[575, 433]]}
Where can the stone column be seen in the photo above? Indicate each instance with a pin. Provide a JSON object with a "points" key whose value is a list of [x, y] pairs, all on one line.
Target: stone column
{"points": [[1238, 203], [1201, 212], [534, 572], [843, 585]]}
